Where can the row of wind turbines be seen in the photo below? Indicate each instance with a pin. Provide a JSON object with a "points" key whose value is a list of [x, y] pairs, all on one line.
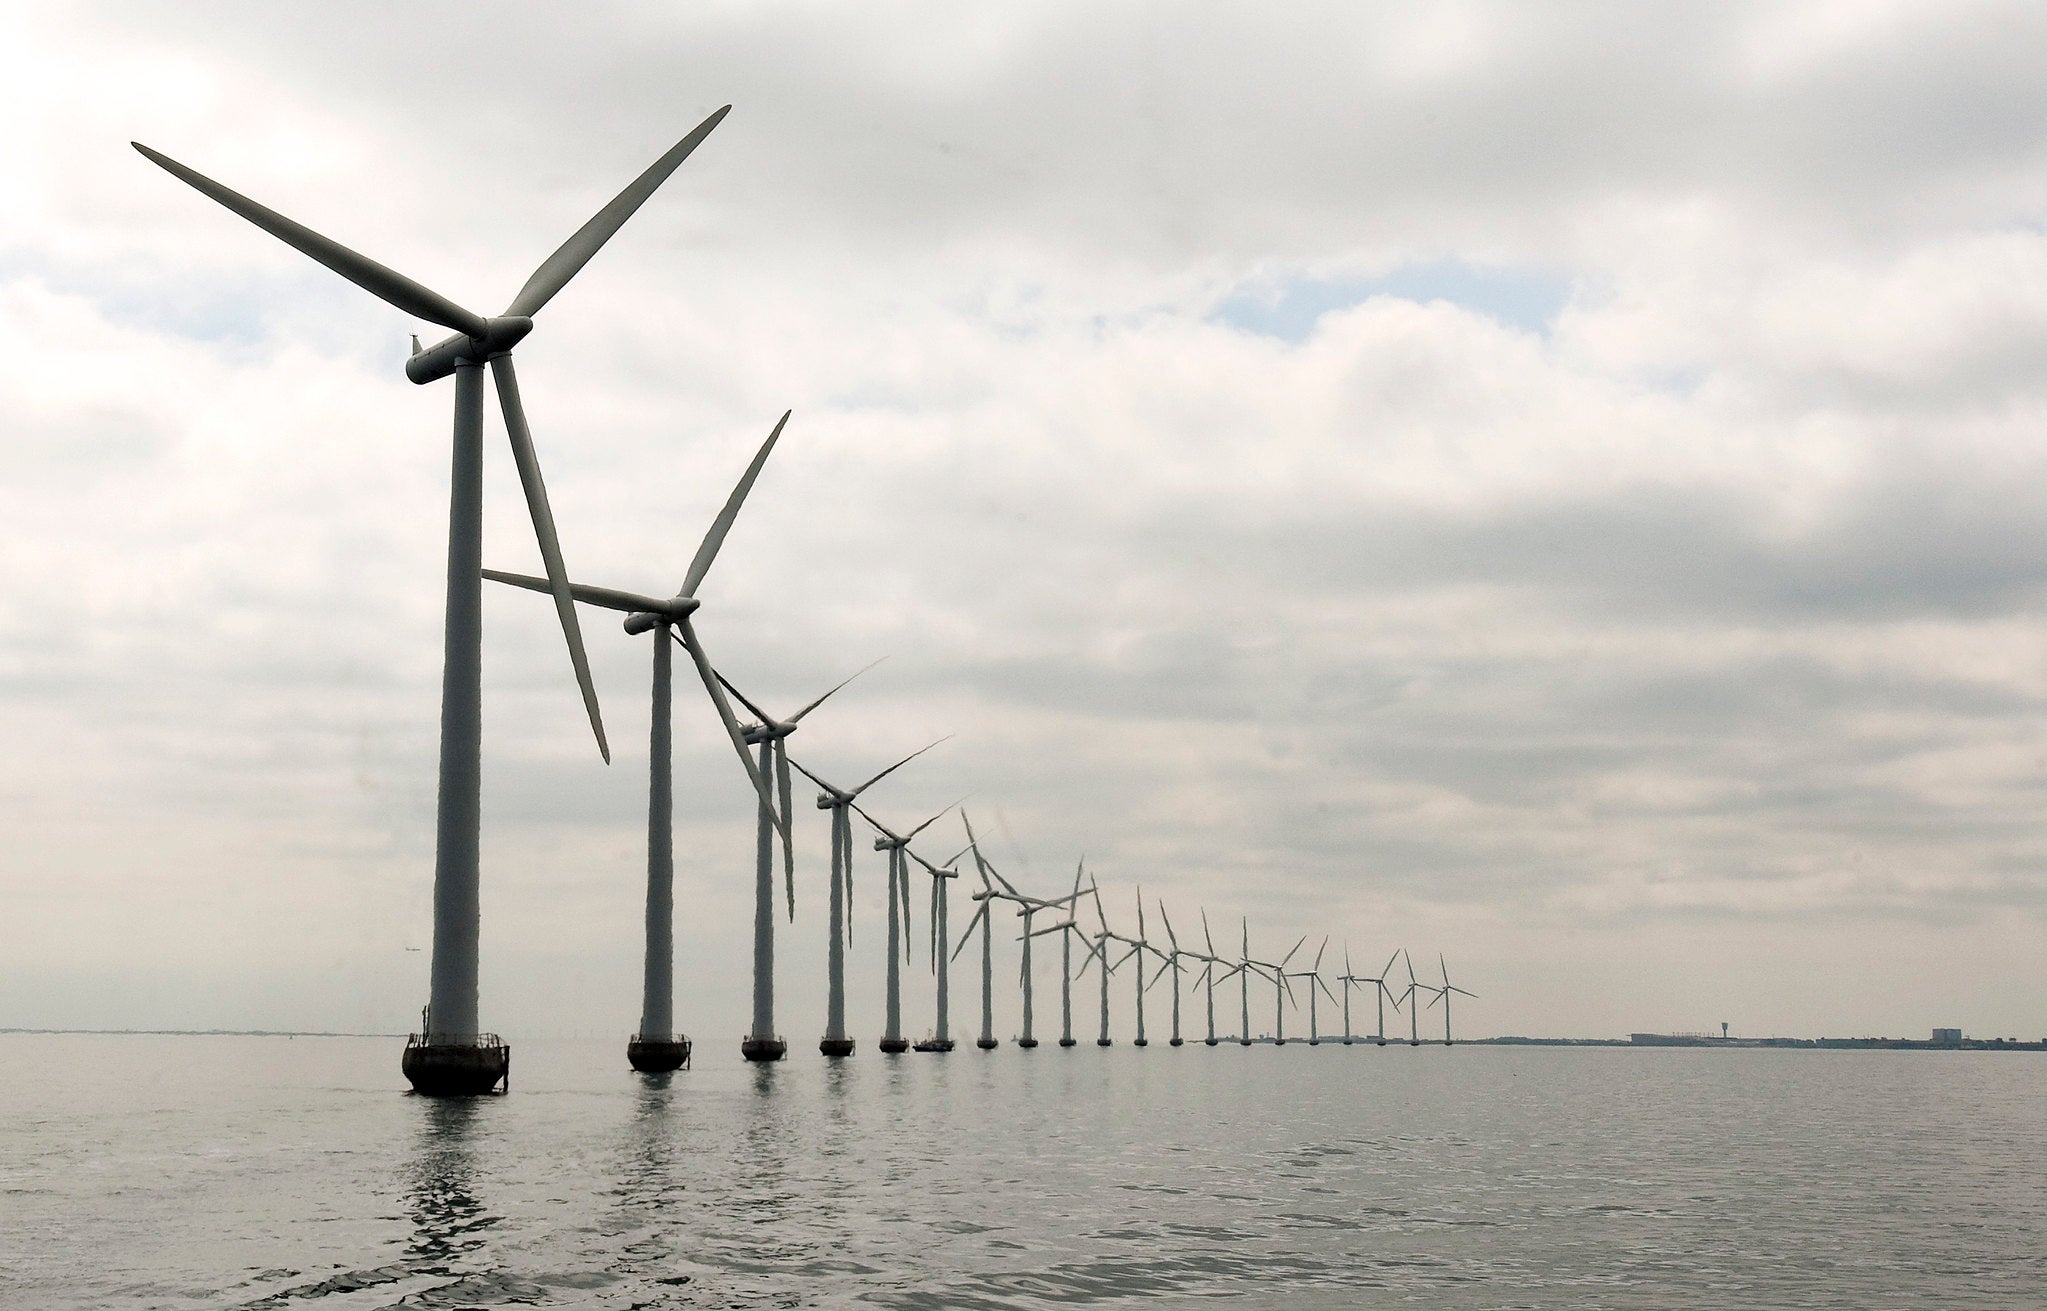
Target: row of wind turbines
{"points": [[452, 1054]]}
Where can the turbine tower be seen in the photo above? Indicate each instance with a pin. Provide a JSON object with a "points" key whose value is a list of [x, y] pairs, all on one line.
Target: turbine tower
{"points": [[453, 1056], [1283, 991], [1443, 995], [769, 734], [657, 1046], [835, 1043], [1414, 1038], [1348, 980], [895, 844]]}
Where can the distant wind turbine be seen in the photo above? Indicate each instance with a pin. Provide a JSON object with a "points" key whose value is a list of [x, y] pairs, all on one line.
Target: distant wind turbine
{"points": [[987, 897], [657, 1046], [452, 1056], [1443, 995], [1210, 978], [1172, 963], [941, 1039], [1314, 977]]}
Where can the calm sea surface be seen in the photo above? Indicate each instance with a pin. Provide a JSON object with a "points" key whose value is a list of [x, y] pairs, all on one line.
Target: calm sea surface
{"points": [[265, 1172]]}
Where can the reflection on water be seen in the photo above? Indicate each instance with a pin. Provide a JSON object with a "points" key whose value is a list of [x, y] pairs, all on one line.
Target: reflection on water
{"points": [[448, 1222], [1291, 1177]]}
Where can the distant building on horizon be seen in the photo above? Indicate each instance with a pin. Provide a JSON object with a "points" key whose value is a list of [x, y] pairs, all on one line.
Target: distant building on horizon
{"points": [[1947, 1035]]}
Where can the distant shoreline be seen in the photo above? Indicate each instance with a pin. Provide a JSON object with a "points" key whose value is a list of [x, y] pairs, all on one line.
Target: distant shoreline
{"points": [[201, 1033]]}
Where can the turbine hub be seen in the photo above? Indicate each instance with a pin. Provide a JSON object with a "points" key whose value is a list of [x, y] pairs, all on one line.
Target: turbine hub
{"points": [[441, 359]]}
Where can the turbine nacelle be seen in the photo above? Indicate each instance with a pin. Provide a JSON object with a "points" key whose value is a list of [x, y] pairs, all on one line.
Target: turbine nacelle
{"points": [[672, 611], [441, 359]]}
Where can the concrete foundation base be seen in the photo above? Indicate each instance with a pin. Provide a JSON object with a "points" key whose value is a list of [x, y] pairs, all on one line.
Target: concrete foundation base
{"points": [[1177, 1042], [457, 1069], [763, 1049], [1243, 1042], [986, 1044], [1279, 1042], [1208, 1042], [1101, 1042], [1314, 1042], [1141, 1042], [934, 1045], [1066, 1042], [1026, 1042], [894, 1045], [658, 1055], [836, 1047]]}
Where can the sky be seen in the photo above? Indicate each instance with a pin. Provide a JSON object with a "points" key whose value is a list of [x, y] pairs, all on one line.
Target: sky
{"points": [[1559, 488]]}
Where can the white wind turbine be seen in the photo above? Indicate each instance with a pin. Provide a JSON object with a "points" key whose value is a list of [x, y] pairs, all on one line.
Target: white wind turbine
{"points": [[895, 844], [1348, 980], [1098, 952], [1068, 929], [1414, 1038], [453, 1056], [987, 897], [1138, 946], [1283, 991], [1384, 992], [1314, 977], [1443, 995], [1210, 978], [941, 1039], [1171, 962], [838, 800], [657, 1046], [771, 735]]}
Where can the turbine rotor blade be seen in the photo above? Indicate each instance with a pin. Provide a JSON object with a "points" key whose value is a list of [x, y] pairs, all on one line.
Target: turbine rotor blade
{"points": [[767, 720], [685, 633], [609, 598], [569, 259], [387, 285], [543, 531], [707, 550], [797, 718], [898, 765]]}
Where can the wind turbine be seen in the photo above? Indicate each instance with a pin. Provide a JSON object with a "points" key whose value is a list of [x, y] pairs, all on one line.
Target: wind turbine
{"points": [[1171, 962], [1068, 929], [1347, 979], [837, 800], [452, 1056], [1138, 946], [657, 1047], [1098, 951], [1443, 995], [941, 1039], [1383, 992], [987, 897], [1314, 977], [1282, 993], [1244, 986], [769, 734], [1414, 1038], [895, 844], [1210, 978]]}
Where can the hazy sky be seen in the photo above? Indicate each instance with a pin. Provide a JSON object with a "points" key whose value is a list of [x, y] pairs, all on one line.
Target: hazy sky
{"points": [[1563, 487]]}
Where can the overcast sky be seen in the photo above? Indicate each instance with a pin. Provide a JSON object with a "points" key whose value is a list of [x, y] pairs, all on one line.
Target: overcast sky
{"points": [[1560, 487]]}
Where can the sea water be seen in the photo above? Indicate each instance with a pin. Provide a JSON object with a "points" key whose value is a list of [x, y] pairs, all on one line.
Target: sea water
{"points": [[298, 1173]]}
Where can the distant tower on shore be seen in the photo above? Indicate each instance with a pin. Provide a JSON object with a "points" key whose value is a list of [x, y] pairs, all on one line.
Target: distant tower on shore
{"points": [[1723, 1029]]}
